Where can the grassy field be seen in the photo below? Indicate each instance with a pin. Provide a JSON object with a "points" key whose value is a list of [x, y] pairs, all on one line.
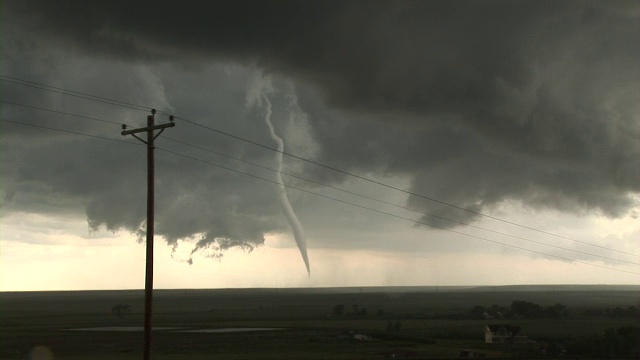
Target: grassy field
{"points": [[44, 322]]}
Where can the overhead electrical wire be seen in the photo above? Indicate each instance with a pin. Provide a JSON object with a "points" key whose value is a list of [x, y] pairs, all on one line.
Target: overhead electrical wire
{"points": [[397, 188], [333, 199], [396, 205], [394, 215], [77, 94], [62, 112], [326, 185], [143, 108], [69, 132]]}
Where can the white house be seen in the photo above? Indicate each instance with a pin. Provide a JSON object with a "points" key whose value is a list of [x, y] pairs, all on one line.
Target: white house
{"points": [[496, 334]]}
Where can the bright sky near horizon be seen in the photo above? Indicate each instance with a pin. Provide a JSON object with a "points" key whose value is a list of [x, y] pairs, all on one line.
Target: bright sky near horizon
{"points": [[525, 115]]}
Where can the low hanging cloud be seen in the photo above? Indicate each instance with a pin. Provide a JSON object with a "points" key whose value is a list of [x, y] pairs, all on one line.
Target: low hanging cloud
{"points": [[475, 103]]}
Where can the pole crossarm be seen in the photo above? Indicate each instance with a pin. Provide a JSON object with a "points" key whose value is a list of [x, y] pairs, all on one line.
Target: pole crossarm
{"points": [[148, 128]]}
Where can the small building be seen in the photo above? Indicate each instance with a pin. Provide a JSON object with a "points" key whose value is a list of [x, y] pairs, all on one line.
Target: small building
{"points": [[501, 333], [362, 337], [355, 336]]}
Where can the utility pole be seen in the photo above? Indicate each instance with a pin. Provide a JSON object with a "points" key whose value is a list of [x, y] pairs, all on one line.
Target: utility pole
{"points": [[148, 280]]}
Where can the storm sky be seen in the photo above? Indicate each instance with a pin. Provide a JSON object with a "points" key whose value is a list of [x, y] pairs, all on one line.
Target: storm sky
{"points": [[450, 117]]}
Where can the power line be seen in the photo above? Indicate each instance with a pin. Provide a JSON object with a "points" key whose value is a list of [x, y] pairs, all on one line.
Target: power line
{"points": [[396, 188], [68, 131], [334, 199], [77, 94], [61, 112], [341, 190], [396, 216], [312, 181], [146, 109], [400, 206]]}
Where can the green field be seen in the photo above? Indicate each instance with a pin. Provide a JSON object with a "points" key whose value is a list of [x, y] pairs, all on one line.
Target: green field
{"points": [[412, 323]]}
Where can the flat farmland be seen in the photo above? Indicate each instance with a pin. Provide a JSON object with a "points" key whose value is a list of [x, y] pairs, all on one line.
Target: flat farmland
{"points": [[333, 323]]}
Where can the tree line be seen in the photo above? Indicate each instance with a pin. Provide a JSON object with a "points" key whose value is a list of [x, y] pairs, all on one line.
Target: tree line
{"points": [[530, 310]]}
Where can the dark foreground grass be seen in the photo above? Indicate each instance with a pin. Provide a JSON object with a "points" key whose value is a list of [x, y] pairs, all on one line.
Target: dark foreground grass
{"points": [[310, 328]]}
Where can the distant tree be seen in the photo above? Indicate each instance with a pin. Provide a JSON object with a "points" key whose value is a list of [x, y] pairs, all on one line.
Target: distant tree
{"points": [[398, 326], [527, 309], [390, 326], [478, 309], [355, 309], [557, 310], [499, 311], [477, 312], [338, 310], [519, 307], [120, 310], [618, 312]]}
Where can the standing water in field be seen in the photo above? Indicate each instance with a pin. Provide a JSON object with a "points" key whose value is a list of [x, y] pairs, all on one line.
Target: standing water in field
{"points": [[282, 193]]}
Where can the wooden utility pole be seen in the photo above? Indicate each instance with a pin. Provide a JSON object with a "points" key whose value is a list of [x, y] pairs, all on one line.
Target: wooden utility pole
{"points": [[148, 280]]}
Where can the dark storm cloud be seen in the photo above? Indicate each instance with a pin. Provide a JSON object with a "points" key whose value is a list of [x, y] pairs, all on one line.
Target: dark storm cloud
{"points": [[476, 102], [53, 172]]}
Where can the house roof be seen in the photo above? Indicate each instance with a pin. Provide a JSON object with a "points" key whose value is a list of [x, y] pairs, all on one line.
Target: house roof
{"points": [[512, 329]]}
